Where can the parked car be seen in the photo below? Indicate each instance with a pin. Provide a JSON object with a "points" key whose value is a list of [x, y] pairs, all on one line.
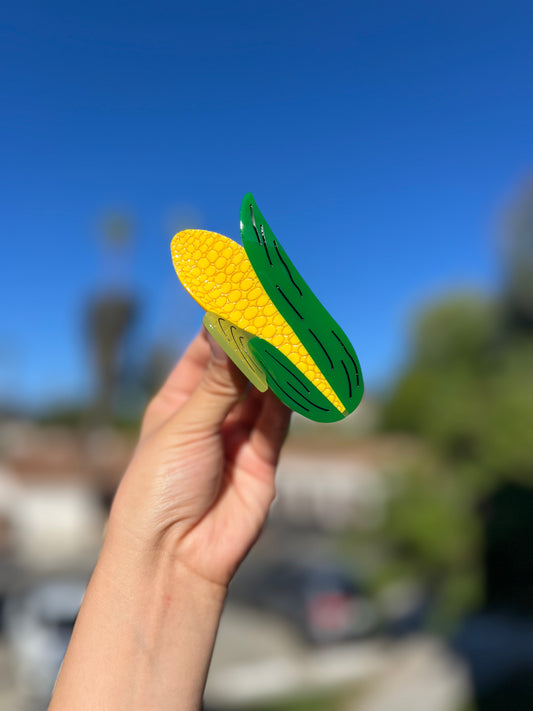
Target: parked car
{"points": [[322, 600]]}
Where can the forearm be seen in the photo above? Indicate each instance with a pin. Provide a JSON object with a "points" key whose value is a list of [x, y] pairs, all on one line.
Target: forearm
{"points": [[191, 503], [144, 635]]}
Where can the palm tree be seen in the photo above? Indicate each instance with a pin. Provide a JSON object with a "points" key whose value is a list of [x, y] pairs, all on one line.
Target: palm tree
{"points": [[111, 313]]}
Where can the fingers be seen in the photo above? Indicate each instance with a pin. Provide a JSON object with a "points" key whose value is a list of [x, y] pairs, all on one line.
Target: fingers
{"points": [[271, 428], [179, 385], [245, 412], [218, 391], [188, 372], [205, 387], [240, 422]]}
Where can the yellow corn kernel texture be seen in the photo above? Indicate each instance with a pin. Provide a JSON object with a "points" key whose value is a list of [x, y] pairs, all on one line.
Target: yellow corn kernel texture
{"points": [[219, 276]]}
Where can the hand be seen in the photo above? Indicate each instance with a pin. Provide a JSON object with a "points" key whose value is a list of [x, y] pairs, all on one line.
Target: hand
{"points": [[190, 505], [202, 477]]}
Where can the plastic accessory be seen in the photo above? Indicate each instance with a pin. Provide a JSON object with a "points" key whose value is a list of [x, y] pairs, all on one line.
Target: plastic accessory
{"points": [[268, 321]]}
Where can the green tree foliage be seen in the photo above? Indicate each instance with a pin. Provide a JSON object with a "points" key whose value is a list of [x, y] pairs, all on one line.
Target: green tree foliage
{"points": [[467, 393]]}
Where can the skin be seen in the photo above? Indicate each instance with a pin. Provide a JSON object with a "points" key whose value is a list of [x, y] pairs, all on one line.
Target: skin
{"points": [[190, 505]]}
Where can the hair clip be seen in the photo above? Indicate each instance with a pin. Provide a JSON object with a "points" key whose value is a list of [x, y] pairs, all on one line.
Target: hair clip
{"points": [[267, 320]]}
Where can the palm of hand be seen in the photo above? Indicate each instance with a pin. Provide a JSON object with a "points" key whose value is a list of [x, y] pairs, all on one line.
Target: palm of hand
{"points": [[212, 447]]}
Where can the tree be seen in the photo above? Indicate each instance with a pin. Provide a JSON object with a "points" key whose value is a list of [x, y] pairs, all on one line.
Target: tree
{"points": [[467, 393], [111, 313], [110, 317], [518, 260]]}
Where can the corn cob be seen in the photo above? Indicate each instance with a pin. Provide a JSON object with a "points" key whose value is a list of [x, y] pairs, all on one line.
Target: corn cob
{"points": [[217, 273], [267, 319]]}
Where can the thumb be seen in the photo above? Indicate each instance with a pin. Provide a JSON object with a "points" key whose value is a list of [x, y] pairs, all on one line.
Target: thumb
{"points": [[220, 388]]}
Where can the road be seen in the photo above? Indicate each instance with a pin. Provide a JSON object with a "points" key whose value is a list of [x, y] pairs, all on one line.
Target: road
{"points": [[258, 658]]}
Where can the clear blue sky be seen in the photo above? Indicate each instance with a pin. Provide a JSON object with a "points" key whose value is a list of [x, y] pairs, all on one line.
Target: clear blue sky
{"points": [[380, 139]]}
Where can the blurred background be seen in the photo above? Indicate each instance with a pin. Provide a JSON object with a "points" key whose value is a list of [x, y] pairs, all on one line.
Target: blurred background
{"points": [[389, 145]]}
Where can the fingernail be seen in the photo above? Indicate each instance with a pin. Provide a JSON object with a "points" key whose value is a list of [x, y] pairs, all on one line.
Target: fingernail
{"points": [[217, 352]]}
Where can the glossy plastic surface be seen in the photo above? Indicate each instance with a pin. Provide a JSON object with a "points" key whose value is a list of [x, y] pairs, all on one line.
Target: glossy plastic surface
{"points": [[234, 341], [263, 314], [217, 273], [322, 337]]}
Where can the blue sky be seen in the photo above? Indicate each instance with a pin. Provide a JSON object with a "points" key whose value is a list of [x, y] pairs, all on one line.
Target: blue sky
{"points": [[380, 139]]}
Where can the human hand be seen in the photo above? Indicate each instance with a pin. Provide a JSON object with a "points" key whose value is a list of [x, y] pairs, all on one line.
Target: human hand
{"points": [[202, 477], [189, 506]]}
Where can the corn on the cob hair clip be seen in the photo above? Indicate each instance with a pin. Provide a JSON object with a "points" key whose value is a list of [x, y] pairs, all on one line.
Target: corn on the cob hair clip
{"points": [[268, 321]]}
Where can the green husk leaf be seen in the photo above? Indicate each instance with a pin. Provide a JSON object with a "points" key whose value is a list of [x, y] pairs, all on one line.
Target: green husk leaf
{"points": [[234, 341], [320, 334], [290, 385]]}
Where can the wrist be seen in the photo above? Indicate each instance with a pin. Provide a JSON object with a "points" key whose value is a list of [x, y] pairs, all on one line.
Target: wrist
{"points": [[151, 563], [144, 634], [142, 530]]}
